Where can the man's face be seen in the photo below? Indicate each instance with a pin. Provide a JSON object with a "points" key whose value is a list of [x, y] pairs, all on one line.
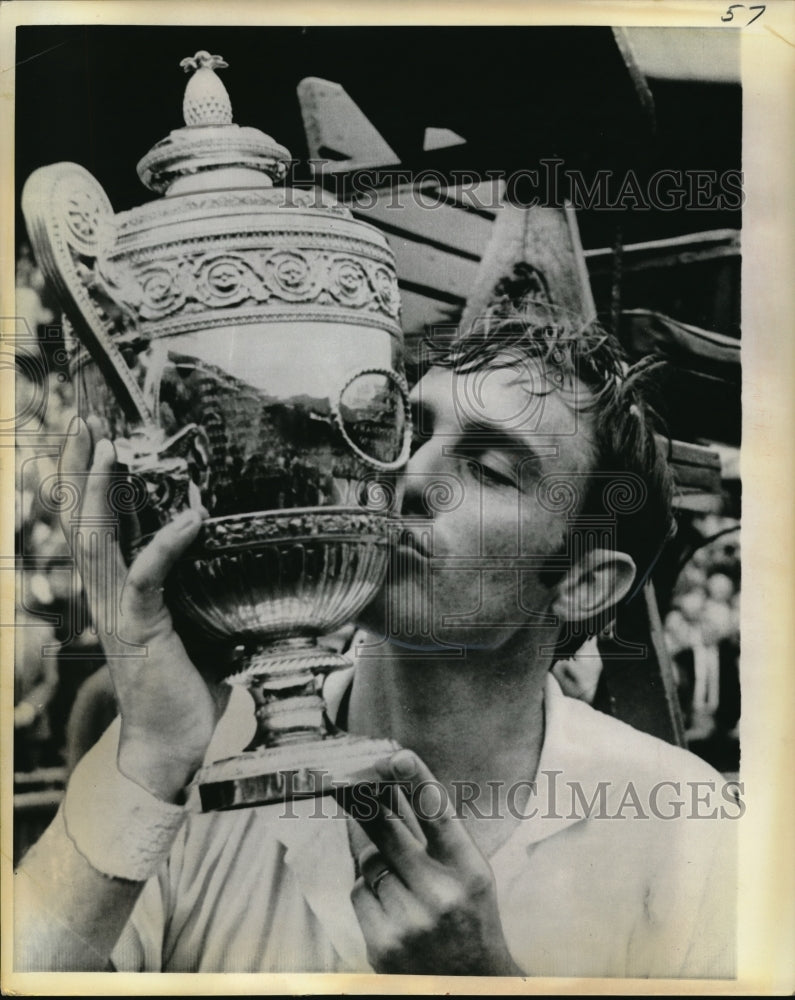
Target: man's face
{"points": [[464, 571]]}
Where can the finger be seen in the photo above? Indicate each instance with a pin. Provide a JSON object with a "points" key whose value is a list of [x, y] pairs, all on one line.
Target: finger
{"points": [[129, 534], [96, 544], [377, 873], [97, 428], [73, 464], [401, 851], [358, 841], [395, 897], [362, 800], [143, 588], [96, 501], [395, 798], [373, 866], [447, 839], [372, 918]]}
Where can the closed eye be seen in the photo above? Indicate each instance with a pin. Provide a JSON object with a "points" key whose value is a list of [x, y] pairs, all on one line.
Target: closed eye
{"points": [[495, 469]]}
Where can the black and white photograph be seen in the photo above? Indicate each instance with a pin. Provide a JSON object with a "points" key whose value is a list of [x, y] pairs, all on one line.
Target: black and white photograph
{"points": [[386, 594]]}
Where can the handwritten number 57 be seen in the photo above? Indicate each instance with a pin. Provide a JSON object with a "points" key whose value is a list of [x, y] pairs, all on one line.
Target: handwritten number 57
{"points": [[729, 15]]}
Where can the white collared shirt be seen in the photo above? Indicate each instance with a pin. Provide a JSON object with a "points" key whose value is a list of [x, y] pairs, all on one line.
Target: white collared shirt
{"points": [[617, 890]]}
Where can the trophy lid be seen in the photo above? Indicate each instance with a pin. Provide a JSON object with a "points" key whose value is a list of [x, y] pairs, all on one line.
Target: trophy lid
{"points": [[210, 141]]}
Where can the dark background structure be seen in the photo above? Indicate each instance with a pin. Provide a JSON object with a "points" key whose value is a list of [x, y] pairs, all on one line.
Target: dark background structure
{"points": [[103, 95]]}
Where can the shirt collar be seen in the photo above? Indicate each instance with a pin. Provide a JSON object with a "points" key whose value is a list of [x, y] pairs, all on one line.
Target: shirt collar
{"points": [[566, 758]]}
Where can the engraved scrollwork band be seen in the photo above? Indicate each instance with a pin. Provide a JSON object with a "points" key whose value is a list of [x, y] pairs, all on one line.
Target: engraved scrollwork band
{"points": [[291, 279]]}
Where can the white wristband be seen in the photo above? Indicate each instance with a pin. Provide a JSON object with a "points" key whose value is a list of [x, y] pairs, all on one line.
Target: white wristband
{"points": [[121, 829]]}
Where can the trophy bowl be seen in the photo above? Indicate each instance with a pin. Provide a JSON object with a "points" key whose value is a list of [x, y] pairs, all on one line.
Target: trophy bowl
{"points": [[239, 343]]}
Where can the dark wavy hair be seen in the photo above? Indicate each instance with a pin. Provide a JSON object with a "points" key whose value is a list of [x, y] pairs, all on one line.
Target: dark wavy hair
{"points": [[631, 484]]}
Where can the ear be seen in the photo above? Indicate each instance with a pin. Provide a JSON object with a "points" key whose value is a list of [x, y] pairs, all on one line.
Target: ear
{"points": [[594, 585]]}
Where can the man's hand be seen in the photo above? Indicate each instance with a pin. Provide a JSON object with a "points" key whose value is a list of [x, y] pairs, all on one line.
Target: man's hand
{"points": [[168, 713], [68, 915], [426, 899]]}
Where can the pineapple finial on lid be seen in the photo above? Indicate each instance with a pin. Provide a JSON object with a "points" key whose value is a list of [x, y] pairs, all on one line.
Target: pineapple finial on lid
{"points": [[210, 150], [206, 101]]}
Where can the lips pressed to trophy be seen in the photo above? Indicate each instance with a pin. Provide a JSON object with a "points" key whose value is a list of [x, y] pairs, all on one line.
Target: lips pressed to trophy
{"points": [[239, 342]]}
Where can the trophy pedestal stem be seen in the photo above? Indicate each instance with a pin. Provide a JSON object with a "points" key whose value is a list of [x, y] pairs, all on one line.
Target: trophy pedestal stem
{"points": [[284, 678], [296, 751]]}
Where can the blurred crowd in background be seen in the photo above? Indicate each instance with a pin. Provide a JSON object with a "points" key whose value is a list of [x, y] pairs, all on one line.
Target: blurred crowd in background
{"points": [[63, 697], [702, 633], [56, 650]]}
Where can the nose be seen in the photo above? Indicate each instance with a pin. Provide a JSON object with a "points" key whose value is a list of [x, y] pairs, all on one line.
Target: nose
{"points": [[416, 478], [425, 468]]}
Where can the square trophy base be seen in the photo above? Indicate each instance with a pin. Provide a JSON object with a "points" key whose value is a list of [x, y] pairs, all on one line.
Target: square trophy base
{"points": [[300, 770]]}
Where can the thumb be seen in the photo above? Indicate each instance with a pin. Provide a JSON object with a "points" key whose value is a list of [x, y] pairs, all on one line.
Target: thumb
{"points": [[143, 588]]}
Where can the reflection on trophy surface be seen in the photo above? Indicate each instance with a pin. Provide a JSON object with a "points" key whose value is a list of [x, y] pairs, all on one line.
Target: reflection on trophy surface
{"points": [[239, 343]]}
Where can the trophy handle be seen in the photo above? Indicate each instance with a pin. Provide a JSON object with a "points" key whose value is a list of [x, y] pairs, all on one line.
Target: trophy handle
{"points": [[70, 221], [403, 391]]}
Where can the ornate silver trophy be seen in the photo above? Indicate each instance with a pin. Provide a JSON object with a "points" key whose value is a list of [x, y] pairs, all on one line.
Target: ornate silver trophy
{"points": [[240, 344]]}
